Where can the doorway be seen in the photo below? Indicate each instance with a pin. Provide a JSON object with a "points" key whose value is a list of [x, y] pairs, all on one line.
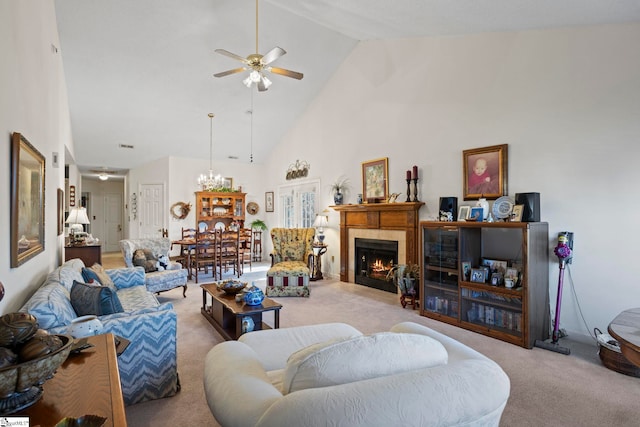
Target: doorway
{"points": [[151, 207]]}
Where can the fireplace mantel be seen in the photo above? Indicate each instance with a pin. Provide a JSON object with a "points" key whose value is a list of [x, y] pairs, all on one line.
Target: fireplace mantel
{"points": [[378, 216]]}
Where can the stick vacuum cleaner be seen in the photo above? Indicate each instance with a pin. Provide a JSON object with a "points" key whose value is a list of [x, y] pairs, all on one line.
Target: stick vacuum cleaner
{"points": [[563, 251]]}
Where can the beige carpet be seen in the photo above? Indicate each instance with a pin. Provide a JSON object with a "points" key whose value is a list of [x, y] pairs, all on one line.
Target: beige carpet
{"points": [[547, 388]]}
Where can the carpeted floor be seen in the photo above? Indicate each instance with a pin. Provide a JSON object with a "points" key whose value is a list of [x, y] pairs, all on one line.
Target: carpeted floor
{"points": [[547, 388]]}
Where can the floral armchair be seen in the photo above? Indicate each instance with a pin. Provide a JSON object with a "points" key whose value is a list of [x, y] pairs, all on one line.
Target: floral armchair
{"points": [[289, 272]]}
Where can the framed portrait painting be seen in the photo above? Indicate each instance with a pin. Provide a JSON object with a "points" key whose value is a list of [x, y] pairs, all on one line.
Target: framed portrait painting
{"points": [[484, 172], [375, 183], [27, 200], [268, 201]]}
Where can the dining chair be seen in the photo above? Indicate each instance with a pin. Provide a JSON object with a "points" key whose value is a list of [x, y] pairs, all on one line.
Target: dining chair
{"points": [[186, 250], [205, 253], [227, 251], [244, 247]]}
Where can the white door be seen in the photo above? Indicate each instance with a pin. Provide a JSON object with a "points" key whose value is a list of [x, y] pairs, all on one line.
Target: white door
{"points": [[113, 222], [151, 209]]}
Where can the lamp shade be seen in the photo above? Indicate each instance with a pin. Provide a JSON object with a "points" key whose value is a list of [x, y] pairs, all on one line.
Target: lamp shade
{"points": [[77, 216], [321, 221]]}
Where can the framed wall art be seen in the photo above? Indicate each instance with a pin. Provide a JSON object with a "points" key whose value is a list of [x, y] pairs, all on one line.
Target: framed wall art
{"points": [[227, 182], [375, 182], [60, 211], [484, 172], [268, 201], [27, 200]]}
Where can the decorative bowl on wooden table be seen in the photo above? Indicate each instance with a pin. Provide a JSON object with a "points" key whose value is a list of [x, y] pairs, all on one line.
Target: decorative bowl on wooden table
{"points": [[231, 287], [21, 383]]}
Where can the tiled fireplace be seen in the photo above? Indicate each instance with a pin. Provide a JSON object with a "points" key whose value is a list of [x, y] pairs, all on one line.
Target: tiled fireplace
{"points": [[397, 222]]}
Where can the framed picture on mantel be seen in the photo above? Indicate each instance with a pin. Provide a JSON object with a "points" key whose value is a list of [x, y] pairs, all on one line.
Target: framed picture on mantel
{"points": [[375, 183]]}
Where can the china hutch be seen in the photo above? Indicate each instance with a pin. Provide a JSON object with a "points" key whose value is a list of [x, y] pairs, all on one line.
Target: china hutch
{"points": [[217, 209]]}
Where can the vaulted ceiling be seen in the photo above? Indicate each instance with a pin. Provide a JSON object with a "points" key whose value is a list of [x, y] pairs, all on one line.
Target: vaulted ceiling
{"points": [[140, 73]]}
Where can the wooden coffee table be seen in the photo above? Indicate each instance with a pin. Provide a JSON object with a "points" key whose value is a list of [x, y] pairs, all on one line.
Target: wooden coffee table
{"points": [[225, 314]]}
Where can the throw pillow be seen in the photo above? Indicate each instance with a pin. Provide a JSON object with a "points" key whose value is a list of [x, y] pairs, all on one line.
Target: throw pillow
{"points": [[360, 358], [91, 299], [145, 258], [97, 274]]}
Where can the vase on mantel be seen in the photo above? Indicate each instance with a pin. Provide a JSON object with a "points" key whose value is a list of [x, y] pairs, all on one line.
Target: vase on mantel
{"points": [[337, 198], [482, 203]]}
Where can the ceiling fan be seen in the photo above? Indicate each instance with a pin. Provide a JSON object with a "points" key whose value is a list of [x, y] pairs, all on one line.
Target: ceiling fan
{"points": [[258, 64]]}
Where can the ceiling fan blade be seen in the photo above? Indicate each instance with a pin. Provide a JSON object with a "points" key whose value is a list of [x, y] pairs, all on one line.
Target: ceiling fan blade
{"points": [[284, 72], [231, 55], [228, 72], [272, 55]]}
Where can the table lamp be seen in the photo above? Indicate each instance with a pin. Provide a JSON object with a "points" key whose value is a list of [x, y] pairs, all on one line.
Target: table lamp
{"points": [[76, 219], [321, 222]]}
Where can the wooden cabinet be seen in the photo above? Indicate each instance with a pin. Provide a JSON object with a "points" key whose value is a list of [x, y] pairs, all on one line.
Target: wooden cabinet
{"points": [[89, 254], [215, 208], [463, 270]]}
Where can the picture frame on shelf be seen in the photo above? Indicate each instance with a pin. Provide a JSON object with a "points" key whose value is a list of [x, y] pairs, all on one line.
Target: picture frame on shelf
{"points": [[27, 189], [475, 214], [516, 213], [496, 279], [463, 213], [375, 180], [495, 265], [465, 270], [477, 275], [484, 172], [268, 201]]}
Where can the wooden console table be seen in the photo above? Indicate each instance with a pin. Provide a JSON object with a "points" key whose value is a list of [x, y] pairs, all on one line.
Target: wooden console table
{"points": [[89, 254], [87, 383]]}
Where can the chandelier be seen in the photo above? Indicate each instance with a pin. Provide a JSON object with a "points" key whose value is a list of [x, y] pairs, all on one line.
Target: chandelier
{"points": [[210, 182]]}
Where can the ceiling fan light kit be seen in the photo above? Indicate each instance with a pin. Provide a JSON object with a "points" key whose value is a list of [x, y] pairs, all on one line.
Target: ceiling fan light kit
{"points": [[258, 64]]}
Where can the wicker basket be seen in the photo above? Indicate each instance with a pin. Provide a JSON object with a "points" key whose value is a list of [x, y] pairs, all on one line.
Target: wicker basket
{"points": [[612, 357]]}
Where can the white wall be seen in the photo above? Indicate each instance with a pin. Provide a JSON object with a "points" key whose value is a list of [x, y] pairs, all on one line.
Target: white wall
{"points": [[566, 101], [33, 102]]}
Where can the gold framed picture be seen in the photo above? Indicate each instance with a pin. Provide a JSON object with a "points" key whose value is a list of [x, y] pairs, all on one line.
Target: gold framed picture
{"points": [[375, 182], [484, 172]]}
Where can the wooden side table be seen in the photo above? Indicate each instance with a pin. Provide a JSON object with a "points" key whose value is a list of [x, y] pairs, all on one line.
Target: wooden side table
{"points": [[316, 261], [625, 328], [89, 254], [87, 383]]}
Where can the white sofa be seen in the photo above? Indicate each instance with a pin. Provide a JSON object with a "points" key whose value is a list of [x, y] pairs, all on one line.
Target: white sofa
{"points": [[244, 380]]}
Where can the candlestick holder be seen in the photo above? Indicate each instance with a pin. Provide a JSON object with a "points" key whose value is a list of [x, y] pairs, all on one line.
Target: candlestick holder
{"points": [[408, 190], [415, 190]]}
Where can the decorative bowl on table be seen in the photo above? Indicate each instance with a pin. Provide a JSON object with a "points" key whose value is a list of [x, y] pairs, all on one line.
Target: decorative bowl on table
{"points": [[21, 383], [231, 287]]}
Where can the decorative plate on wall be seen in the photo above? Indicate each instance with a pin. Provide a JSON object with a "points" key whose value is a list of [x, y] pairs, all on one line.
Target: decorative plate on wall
{"points": [[252, 208]]}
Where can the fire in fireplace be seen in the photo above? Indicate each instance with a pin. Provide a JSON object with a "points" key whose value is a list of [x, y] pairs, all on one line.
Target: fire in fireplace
{"points": [[374, 258]]}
